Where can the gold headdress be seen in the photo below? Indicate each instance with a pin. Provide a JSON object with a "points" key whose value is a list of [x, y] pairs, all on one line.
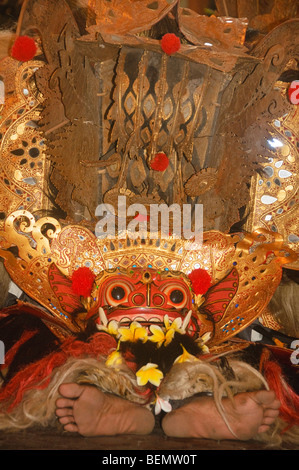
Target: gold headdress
{"points": [[246, 269], [83, 121]]}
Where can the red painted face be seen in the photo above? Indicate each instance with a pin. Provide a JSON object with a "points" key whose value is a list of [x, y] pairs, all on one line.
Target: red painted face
{"points": [[146, 296]]}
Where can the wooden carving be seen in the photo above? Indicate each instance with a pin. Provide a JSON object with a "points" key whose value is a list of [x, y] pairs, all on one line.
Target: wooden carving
{"points": [[111, 99]]}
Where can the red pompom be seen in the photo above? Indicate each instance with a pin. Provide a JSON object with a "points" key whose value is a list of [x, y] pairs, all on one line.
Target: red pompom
{"points": [[24, 49], [170, 43], [200, 280], [82, 281], [160, 162]]}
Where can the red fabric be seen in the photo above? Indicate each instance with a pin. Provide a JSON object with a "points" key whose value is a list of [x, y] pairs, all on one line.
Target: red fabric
{"points": [[170, 43], [62, 287], [23, 49], [219, 295], [38, 374], [289, 410], [160, 162]]}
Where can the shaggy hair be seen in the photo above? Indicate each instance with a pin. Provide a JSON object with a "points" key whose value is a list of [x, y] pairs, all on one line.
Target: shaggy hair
{"points": [[284, 306], [38, 404], [182, 382]]}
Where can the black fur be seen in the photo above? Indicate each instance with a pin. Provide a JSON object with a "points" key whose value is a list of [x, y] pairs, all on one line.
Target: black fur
{"points": [[42, 343], [163, 356]]}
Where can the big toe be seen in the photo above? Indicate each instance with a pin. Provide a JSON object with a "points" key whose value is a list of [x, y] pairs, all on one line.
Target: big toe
{"points": [[70, 390], [267, 399]]}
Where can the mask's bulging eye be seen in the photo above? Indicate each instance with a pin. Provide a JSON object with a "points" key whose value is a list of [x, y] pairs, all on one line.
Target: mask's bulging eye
{"points": [[176, 296], [118, 293]]}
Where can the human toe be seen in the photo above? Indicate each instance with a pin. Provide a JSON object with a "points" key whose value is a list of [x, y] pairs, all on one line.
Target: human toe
{"points": [[64, 403], [60, 412], [70, 390]]}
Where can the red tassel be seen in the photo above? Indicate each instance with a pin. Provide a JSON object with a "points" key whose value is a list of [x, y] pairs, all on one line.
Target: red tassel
{"points": [[289, 410], [82, 281], [170, 43], [200, 280], [160, 162], [23, 49], [38, 374]]}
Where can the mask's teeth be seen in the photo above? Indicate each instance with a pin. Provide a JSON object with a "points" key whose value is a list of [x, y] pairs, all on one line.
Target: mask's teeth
{"points": [[102, 316], [139, 319], [186, 320], [125, 320]]}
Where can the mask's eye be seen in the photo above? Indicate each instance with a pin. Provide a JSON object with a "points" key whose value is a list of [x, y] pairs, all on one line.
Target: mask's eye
{"points": [[117, 292], [177, 295]]}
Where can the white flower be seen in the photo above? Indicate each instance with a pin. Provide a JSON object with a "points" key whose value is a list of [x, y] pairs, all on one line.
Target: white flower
{"points": [[162, 404]]}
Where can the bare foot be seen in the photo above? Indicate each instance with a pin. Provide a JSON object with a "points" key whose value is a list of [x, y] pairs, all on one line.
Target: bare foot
{"points": [[251, 413], [90, 412]]}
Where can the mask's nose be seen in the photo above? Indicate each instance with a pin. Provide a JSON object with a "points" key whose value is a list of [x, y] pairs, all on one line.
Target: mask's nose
{"points": [[148, 295]]}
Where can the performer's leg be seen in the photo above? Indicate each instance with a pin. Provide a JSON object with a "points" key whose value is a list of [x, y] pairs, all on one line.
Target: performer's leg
{"points": [[252, 413], [91, 412]]}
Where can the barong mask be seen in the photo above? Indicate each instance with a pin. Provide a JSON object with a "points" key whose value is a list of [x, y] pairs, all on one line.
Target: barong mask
{"points": [[146, 296], [225, 282]]}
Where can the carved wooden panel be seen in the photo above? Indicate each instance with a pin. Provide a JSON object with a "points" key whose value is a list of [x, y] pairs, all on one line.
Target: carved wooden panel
{"points": [[110, 99]]}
